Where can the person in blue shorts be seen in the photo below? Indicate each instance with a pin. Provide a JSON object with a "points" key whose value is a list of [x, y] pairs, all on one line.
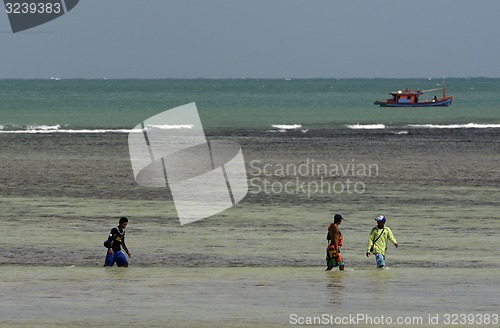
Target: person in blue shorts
{"points": [[377, 241], [115, 243]]}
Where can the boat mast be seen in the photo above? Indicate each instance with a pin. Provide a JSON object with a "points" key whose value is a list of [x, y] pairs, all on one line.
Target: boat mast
{"points": [[443, 88]]}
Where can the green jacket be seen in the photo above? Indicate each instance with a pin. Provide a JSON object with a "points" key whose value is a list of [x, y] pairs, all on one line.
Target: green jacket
{"points": [[381, 244]]}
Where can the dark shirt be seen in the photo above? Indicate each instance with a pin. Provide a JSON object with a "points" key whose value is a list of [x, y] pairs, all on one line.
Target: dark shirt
{"points": [[117, 240]]}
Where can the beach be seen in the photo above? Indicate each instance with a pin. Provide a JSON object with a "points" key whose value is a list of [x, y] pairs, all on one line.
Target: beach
{"points": [[260, 263], [262, 260]]}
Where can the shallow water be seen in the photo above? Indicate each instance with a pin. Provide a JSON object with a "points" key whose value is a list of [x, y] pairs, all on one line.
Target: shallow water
{"points": [[69, 231], [261, 261], [237, 297]]}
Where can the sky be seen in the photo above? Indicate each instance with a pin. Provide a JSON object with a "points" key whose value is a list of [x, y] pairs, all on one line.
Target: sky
{"points": [[118, 39]]}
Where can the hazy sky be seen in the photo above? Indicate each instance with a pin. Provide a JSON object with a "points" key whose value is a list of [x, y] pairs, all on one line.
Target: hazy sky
{"points": [[259, 38]]}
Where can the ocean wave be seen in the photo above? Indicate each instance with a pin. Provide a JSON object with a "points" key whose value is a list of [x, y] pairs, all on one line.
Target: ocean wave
{"points": [[423, 126], [286, 127], [366, 126], [80, 131], [276, 128], [456, 126], [43, 127], [46, 129], [169, 127], [404, 132]]}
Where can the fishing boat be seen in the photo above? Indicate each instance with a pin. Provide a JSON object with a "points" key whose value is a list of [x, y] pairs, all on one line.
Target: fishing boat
{"points": [[411, 98]]}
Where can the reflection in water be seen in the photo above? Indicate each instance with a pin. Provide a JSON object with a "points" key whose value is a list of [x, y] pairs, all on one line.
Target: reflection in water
{"points": [[335, 287], [381, 285]]}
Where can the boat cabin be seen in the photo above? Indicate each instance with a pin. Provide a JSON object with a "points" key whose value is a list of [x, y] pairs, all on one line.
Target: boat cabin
{"points": [[405, 97]]}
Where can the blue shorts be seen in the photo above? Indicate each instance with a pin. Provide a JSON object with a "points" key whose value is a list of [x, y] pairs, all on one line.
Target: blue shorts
{"points": [[118, 257]]}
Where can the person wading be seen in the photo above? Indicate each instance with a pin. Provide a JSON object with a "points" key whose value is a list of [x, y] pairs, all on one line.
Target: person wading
{"points": [[334, 236], [115, 243], [377, 241]]}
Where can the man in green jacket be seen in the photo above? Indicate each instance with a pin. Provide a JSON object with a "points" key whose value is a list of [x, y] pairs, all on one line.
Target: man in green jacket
{"points": [[377, 241]]}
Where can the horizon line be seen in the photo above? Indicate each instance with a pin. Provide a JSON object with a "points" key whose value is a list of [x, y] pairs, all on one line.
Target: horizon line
{"points": [[245, 78]]}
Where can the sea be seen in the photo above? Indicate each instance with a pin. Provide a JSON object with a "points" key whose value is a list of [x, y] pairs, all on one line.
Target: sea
{"points": [[311, 148], [84, 106]]}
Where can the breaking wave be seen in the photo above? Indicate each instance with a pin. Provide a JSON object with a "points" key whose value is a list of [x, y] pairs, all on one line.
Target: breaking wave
{"points": [[170, 127], [45, 129], [366, 126], [287, 127], [276, 128], [456, 126], [423, 126]]}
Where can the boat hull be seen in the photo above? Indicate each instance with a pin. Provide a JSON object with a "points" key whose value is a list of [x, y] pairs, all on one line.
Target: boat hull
{"points": [[439, 103]]}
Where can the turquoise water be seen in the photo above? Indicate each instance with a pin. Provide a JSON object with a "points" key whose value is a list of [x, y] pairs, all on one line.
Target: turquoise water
{"points": [[239, 104]]}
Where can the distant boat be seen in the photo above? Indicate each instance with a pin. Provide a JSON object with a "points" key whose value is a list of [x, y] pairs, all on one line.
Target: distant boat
{"points": [[411, 98]]}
